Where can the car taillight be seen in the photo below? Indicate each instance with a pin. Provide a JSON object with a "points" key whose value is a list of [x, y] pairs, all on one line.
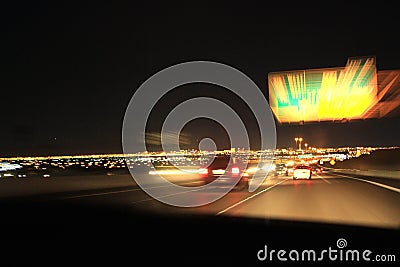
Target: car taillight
{"points": [[235, 170], [203, 171]]}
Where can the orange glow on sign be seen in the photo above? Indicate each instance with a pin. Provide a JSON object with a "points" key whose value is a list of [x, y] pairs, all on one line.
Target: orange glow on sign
{"points": [[333, 94]]}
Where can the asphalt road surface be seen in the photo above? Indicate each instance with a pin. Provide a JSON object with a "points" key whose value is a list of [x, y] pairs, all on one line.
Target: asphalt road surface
{"points": [[327, 198], [331, 198]]}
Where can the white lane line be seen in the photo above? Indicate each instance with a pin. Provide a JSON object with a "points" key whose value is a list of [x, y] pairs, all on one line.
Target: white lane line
{"points": [[374, 183], [325, 180], [120, 191], [250, 197], [174, 194], [100, 194]]}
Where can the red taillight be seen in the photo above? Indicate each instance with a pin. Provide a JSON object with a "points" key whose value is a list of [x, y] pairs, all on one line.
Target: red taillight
{"points": [[235, 170], [203, 171]]}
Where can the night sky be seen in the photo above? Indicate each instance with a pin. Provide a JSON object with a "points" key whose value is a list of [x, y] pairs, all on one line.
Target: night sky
{"points": [[69, 69]]}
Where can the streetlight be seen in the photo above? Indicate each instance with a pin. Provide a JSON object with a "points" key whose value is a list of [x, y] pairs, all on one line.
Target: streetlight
{"points": [[300, 140], [306, 145], [296, 139]]}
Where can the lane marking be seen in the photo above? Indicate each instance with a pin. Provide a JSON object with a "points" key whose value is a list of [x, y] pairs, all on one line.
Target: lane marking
{"points": [[325, 180], [119, 191], [374, 183], [100, 194], [174, 194], [149, 199], [250, 197]]}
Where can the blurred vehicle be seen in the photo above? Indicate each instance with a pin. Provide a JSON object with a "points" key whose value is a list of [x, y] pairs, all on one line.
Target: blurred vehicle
{"points": [[302, 172], [289, 168], [289, 171], [316, 169], [225, 173], [279, 169]]}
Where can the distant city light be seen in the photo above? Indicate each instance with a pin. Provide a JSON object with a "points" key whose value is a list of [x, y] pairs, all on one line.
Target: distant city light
{"points": [[176, 163], [4, 166]]}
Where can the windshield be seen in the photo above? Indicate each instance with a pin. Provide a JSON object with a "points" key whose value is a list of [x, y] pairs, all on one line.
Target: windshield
{"points": [[302, 167], [239, 111]]}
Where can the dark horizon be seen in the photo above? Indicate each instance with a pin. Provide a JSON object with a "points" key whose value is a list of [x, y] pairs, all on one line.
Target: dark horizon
{"points": [[285, 139], [70, 70]]}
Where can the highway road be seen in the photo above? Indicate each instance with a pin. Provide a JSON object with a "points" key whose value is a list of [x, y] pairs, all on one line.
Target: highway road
{"points": [[325, 198], [328, 197], [65, 222]]}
